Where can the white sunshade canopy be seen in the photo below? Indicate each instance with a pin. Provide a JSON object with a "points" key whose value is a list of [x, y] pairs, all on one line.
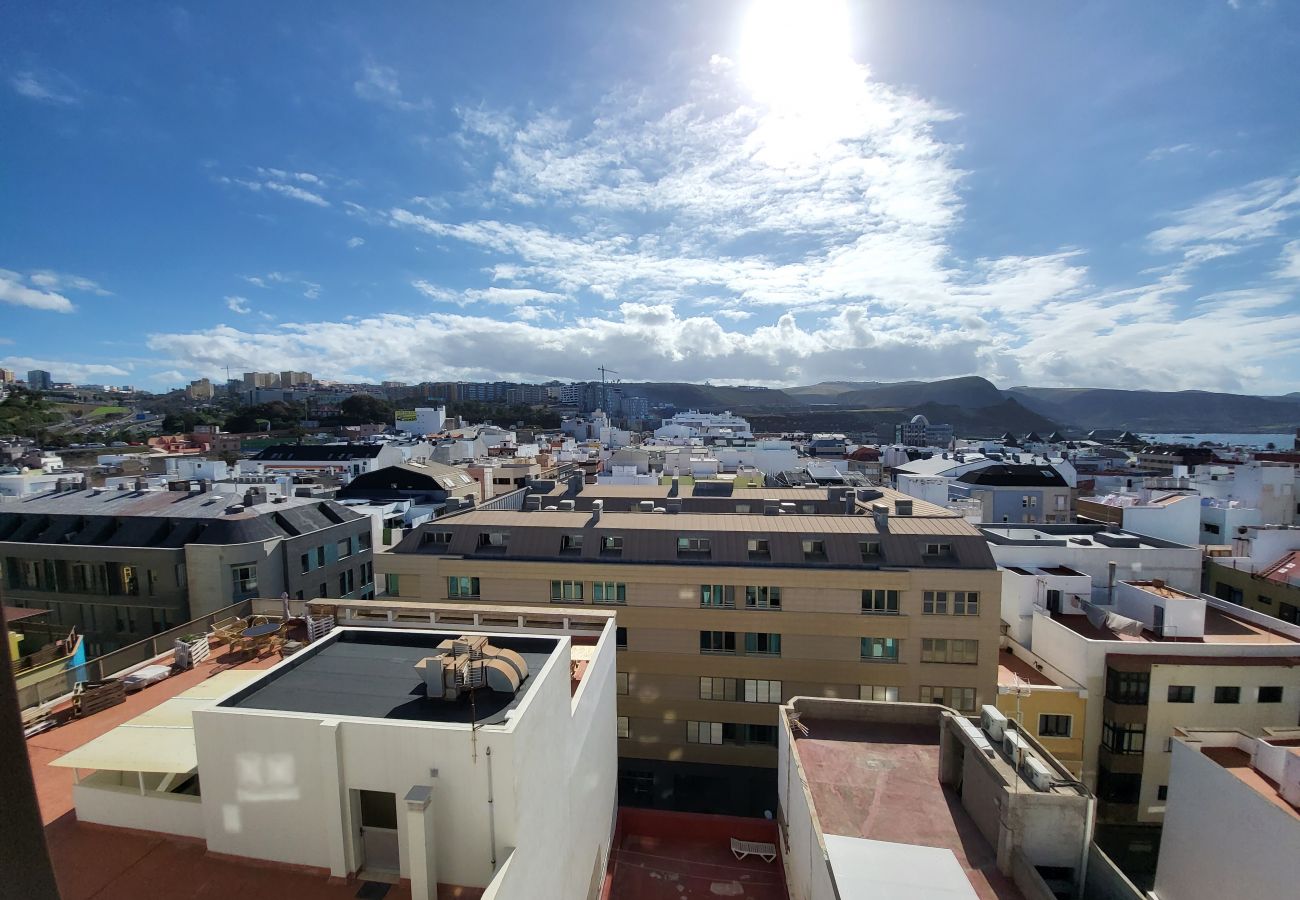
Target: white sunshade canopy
{"points": [[160, 739]]}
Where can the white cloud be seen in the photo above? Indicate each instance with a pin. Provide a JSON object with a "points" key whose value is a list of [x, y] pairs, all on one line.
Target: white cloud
{"points": [[380, 84], [310, 289], [1160, 153], [297, 193], [518, 297], [1230, 221], [238, 305], [47, 87], [1290, 261], [355, 242], [14, 292], [62, 281], [76, 372]]}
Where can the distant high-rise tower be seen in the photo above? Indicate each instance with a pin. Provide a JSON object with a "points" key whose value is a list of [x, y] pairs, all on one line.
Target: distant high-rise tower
{"points": [[39, 380]]}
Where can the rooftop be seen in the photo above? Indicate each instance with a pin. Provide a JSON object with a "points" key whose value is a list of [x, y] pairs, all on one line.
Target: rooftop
{"points": [[371, 673], [880, 781], [1238, 762], [1220, 628], [1079, 536], [1012, 670], [158, 518], [98, 861]]}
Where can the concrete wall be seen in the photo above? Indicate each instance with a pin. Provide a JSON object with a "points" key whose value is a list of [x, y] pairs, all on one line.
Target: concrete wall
{"points": [[807, 869], [1222, 838], [114, 798]]}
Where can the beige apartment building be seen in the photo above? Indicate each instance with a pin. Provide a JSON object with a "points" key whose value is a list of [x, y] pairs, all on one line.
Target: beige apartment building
{"points": [[730, 601]]}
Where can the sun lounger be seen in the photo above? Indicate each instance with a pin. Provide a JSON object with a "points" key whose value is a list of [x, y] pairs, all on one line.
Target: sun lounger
{"points": [[753, 848]]}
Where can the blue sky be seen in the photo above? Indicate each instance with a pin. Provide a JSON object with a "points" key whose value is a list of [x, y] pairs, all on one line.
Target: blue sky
{"points": [[1041, 193]]}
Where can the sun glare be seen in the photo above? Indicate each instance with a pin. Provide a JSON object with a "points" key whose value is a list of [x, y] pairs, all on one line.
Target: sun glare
{"points": [[793, 53]]}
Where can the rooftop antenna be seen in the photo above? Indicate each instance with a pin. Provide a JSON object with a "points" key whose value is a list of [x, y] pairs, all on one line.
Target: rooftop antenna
{"points": [[604, 397]]}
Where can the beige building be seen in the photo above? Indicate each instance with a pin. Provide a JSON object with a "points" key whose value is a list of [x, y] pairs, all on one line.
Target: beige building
{"points": [[200, 389], [731, 601]]}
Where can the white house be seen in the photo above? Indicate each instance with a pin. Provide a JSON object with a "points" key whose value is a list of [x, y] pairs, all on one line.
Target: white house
{"points": [[426, 420], [367, 752]]}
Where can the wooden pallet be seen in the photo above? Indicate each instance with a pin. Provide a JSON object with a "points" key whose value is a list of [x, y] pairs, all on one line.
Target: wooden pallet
{"points": [[89, 697]]}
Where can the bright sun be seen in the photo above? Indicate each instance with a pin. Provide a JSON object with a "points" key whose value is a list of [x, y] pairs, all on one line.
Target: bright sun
{"points": [[793, 53]]}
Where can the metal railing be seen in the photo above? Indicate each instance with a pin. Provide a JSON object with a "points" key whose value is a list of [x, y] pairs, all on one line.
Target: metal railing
{"points": [[102, 667]]}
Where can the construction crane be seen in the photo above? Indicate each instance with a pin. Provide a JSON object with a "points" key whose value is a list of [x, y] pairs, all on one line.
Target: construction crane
{"points": [[604, 393]]}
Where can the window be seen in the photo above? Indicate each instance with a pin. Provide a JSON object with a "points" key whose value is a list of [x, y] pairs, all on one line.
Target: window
{"points": [[620, 682], [565, 590], [1060, 501], [717, 642], [245, 579], [345, 548], [814, 551], [462, 586], [437, 537], [758, 549], [717, 688], [1227, 695], [878, 692], [1124, 738], [324, 590], [571, 543], [1118, 787], [624, 729], [1210, 528], [704, 732], [306, 562], [1054, 726], [762, 643], [297, 595], [364, 540], [1270, 694], [752, 734], [1288, 613], [391, 586], [346, 583], [492, 540], [965, 603], [1127, 687], [956, 697], [612, 544], [718, 595], [687, 546], [320, 556], [743, 508], [761, 691], [1162, 792], [609, 592], [949, 650], [1182, 693], [938, 549], [870, 550], [880, 602], [934, 603], [1266, 601], [620, 638], [762, 597], [880, 649]]}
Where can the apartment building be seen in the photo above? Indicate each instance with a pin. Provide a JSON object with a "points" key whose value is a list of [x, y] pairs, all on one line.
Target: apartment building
{"points": [[1263, 572], [731, 600], [121, 565], [1155, 660]]}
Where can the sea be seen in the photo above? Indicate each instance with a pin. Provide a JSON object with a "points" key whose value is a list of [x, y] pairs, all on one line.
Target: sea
{"points": [[1254, 441]]}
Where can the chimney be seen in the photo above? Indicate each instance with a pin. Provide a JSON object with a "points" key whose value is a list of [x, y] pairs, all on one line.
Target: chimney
{"points": [[850, 503], [597, 506], [880, 512]]}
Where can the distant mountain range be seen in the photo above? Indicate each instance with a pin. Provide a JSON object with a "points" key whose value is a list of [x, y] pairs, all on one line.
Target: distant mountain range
{"points": [[975, 406]]}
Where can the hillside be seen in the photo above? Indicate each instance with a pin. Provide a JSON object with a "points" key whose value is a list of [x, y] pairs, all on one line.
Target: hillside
{"points": [[1161, 411]]}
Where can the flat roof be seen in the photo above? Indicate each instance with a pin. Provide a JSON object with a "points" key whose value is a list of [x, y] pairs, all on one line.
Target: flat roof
{"points": [[1238, 762], [1011, 668], [880, 781], [1220, 628], [371, 673]]}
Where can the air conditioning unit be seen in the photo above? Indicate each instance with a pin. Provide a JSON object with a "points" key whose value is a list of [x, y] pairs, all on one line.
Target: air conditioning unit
{"points": [[1014, 746], [993, 721], [1037, 774]]}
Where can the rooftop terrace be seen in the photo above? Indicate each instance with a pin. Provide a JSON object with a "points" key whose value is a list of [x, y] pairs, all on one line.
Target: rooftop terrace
{"points": [[1220, 628], [372, 673], [880, 781]]}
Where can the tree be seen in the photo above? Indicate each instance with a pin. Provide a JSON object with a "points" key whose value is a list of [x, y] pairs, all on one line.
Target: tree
{"points": [[363, 409]]}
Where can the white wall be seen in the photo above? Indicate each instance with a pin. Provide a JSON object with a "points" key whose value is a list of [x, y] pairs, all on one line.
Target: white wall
{"points": [[1221, 838], [1180, 567], [807, 871], [930, 488], [1178, 520], [114, 798], [1184, 616]]}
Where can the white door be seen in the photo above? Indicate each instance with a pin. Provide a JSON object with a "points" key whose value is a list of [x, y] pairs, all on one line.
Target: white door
{"points": [[378, 827]]}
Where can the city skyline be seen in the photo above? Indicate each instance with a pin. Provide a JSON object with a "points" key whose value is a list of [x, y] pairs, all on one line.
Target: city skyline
{"points": [[1048, 197]]}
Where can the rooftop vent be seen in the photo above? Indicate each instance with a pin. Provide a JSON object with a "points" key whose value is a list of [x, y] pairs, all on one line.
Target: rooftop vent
{"points": [[468, 663], [567, 505]]}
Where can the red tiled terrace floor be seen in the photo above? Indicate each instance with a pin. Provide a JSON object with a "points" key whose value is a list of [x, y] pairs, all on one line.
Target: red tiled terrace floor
{"points": [[687, 856], [881, 782], [104, 863]]}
